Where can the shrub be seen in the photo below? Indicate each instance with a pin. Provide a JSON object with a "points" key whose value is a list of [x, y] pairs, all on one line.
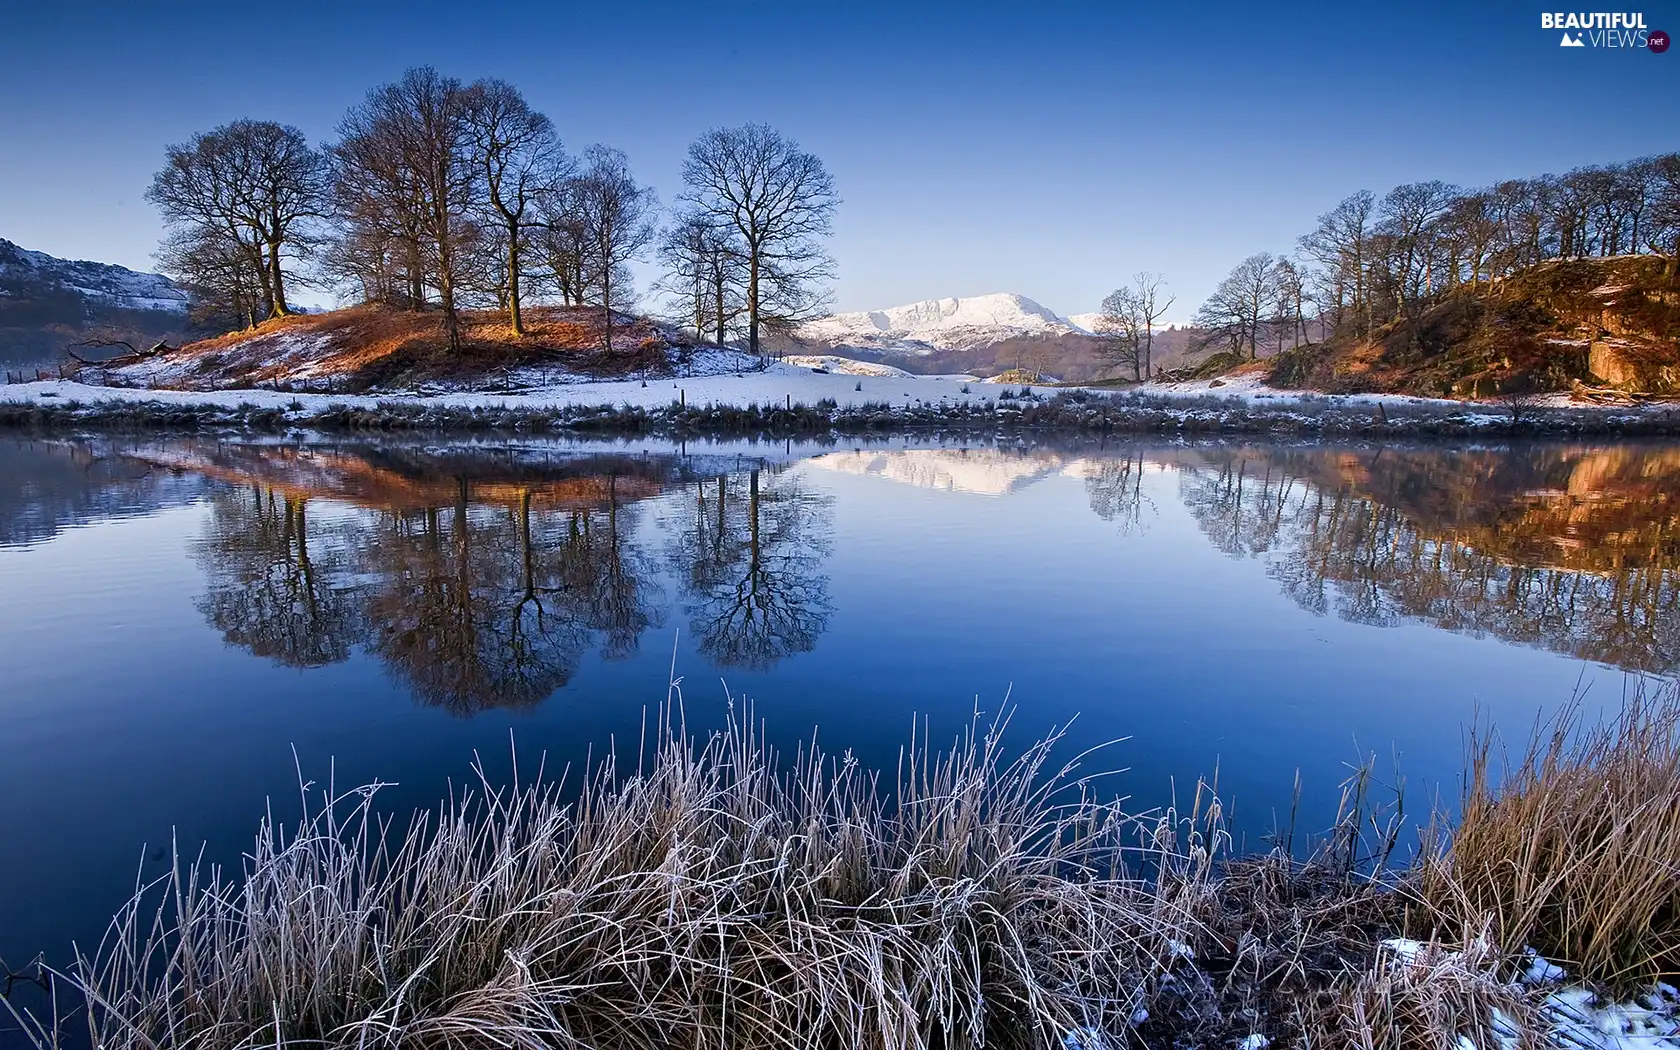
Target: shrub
{"points": [[703, 894]]}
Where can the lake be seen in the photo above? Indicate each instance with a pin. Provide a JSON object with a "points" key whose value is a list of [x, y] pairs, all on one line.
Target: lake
{"points": [[187, 625]]}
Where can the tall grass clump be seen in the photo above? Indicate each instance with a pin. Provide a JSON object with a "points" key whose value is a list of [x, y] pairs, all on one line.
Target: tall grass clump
{"points": [[1574, 849], [714, 895]]}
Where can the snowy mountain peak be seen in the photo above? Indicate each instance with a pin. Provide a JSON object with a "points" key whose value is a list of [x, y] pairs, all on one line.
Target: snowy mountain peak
{"points": [[958, 323], [24, 273]]}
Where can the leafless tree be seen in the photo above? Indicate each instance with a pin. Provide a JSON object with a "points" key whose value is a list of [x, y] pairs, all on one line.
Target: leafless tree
{"points": [[705, 269], [224, 278], [249, 189], [616, 215], [1340, 246], [1236, 311], [404, 157], [1119, 327], [519, 160], [781, 201]]}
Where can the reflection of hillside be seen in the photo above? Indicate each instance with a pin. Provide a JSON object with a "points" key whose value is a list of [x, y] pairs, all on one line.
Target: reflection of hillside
{"points": [[1572, 549], [404, 478], [47, 486]]}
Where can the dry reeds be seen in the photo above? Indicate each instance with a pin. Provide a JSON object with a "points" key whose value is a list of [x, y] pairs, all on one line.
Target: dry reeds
{"points": [[1575, 850], [710, 897]]}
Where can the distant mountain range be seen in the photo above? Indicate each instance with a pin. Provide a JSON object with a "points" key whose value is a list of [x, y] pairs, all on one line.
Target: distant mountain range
{"points": [[981, 334], [47, 303]]}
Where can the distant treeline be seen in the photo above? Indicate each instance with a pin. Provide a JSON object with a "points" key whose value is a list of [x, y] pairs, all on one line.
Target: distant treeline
{"points": [[1373, 261], [447, 195]]}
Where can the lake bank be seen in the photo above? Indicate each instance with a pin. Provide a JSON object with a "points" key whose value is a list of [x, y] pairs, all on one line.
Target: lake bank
{"points": [[790, 402], [985, 892]]}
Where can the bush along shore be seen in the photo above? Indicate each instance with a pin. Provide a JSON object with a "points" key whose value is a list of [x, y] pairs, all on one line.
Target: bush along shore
{"points": [[1025, 409], [709, 893]]}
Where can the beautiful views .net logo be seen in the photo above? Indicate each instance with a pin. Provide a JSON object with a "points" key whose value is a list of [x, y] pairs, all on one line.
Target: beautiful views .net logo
{"points": [[1621, 29]]}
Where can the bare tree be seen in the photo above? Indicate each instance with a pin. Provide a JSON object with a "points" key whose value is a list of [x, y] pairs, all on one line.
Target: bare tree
{"points": [[781, 202], [1119, 328], [404, 153], [251, 187], [1340, 246], [519, 159], [1236, 311], [616, 216], [1153, 302], [705, 267]]}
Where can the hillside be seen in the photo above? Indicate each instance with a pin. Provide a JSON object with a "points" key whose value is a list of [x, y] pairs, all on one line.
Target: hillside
{"points": [[47, 303], [369, 348], [1573, 324], [981, 335]]}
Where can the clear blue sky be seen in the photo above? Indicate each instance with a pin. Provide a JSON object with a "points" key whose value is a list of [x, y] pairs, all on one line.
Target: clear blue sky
{"points": [[1048, 148]]}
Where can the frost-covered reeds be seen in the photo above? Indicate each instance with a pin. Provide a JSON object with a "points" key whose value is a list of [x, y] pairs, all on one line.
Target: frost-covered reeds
{"points": [[1573, 845], [710, 894]]}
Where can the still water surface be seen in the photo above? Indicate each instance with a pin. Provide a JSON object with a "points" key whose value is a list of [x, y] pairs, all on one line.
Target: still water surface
{"points": [[184, 624]]}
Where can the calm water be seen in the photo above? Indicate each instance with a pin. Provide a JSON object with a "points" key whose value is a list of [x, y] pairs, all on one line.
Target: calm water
{"points": [[185, 623]]}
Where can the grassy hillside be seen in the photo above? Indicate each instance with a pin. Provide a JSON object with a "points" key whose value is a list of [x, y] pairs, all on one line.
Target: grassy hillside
{"points": [[1593, 323], [376, 347]]}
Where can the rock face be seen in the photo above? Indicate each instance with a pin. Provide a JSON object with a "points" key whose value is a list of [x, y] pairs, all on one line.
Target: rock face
{"points": [[1608, 322], [47, 303], [1631, 366]]}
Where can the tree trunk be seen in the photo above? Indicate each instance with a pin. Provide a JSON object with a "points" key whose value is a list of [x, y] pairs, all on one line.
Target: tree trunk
{"points": [[718, 288], [277, 280], [752, 300], [515, 321], [606, 309]]}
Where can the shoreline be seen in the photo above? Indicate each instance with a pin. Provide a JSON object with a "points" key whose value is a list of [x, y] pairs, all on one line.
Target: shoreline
{"points": [[735, 406]]}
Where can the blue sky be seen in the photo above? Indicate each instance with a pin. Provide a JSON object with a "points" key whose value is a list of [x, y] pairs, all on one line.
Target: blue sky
{"points": [[1049, 149]]}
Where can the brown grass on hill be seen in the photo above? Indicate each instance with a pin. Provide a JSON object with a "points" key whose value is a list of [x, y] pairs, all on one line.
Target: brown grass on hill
{"points": [[368, 346]]}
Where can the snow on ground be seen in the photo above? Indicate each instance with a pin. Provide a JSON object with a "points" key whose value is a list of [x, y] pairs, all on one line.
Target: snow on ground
{"points": [[775, 384], [713, 379], [848, 366], [1251, 388], [1576, 1016]]}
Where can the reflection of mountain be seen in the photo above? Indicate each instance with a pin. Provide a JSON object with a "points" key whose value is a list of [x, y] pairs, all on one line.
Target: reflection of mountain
{"points": [[1571, 549], [48, 486], [482, 577], [983, 471]]}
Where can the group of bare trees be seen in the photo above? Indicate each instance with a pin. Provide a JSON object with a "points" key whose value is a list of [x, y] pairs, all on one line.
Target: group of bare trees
{"points": [[1372, 261], [1127, 322], [439, 194]]}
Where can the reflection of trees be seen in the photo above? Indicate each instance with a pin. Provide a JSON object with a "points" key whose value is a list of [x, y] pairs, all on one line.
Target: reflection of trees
{"points": [[465, 609], [1575, 551], [607, 578], [1114, 485], [472, 599], [268, 590], [751, 569]]}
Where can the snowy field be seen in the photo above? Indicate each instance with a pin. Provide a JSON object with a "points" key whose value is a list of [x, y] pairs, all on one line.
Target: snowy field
{"points": [[774, 385], [787, 382]]}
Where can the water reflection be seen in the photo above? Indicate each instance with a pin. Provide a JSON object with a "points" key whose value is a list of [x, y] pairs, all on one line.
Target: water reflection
{"points": [[1575, 550], [481, 578]]}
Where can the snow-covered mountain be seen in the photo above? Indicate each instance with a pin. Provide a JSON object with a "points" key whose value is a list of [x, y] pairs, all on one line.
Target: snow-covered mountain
{"points": [[48, 303], [26, 272], [933, 325]]}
